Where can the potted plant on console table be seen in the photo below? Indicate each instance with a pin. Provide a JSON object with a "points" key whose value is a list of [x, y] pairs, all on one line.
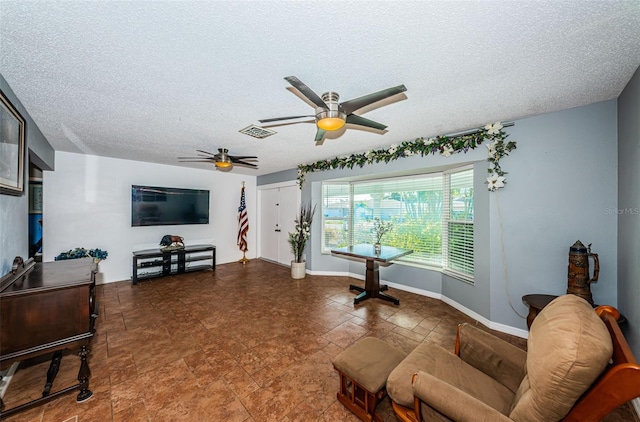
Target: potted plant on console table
{"points": [[298, 239]]}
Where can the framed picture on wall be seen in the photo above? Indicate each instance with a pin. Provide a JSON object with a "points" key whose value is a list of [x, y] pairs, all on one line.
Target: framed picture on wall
{"points": [[11, 148]]}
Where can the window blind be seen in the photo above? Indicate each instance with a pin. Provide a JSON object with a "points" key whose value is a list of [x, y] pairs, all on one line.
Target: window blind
{"points": [[458, 256], [412, 204], [336, 211], [430, 213]]}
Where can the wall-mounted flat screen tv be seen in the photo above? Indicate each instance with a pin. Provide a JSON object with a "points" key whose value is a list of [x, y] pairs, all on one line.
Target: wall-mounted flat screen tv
{"points": [[162, 206]]}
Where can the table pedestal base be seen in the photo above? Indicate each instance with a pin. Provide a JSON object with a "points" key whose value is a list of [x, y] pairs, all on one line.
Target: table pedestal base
{"points": [[372, 288]]}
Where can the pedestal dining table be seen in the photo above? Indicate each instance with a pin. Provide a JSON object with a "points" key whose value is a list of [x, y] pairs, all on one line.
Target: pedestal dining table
{"points": [[372, 287]]}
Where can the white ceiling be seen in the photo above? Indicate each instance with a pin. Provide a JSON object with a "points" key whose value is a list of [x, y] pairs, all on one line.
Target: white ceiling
{"points": [[151, 81]]}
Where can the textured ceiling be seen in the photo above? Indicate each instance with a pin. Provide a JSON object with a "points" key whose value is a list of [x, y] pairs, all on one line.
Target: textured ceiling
{"points": [[151, 81]]}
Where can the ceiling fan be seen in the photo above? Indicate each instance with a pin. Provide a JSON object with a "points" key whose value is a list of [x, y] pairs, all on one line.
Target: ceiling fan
{"points": [[222, 159], [331, 115]]}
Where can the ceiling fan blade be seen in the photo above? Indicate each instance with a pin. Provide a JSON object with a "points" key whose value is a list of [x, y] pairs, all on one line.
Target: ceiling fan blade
{"points": [[306, 91], [197, 161], [354, 119], [195, 158], [289, 123], [242, 157], [242, 163], [357, 103], [275, 119], [320, 136], [205, 152]]}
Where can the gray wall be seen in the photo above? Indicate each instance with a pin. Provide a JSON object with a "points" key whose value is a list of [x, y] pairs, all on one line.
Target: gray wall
{"points": [[281, 176], [561, 182], [629, 209], [14, 223]]}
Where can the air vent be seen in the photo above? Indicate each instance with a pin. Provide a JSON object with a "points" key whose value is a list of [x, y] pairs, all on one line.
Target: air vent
{"points": [[257, 132]]}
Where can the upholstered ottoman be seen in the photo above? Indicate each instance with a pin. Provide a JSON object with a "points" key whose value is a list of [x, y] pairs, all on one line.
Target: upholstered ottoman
{"points": [[363, 369]]}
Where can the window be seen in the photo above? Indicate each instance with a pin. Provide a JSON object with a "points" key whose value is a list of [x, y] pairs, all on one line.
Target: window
{"points": [[431, 214], [457, 241], [336, 212]]}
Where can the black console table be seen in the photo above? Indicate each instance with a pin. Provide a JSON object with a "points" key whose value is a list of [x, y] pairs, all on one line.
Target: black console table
{"points": [[46, 308], [152, 263]]}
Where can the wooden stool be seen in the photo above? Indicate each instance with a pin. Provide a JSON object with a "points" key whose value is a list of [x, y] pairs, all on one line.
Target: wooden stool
{"points": [[363, 369]]}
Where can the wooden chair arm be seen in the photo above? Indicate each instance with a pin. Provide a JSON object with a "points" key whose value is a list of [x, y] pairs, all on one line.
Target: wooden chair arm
{"points": [[618, 384]]}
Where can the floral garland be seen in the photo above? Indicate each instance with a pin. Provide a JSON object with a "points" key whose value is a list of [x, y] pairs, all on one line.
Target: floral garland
{"points": [[443, 145]]}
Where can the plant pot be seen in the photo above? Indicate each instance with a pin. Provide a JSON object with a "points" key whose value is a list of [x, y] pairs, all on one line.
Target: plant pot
{"points": [[377, 248], [298, 270]]}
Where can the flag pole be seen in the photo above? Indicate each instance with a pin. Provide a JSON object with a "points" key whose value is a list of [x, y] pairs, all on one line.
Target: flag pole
{"points": [[244, 258]]}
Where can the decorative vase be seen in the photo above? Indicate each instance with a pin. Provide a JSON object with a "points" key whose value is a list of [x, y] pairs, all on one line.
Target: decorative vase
{"points": [[377, 247], [298, 270]]}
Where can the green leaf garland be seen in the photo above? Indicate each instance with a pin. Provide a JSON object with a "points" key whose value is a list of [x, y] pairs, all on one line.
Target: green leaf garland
{"points": [[444, 145]]}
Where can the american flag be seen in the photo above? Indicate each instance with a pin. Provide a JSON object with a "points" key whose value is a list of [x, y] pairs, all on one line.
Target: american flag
{"points": [[243, 223]]}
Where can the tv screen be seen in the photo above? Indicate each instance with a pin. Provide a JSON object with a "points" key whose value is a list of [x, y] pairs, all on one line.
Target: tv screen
{"points": [[160, 206]]}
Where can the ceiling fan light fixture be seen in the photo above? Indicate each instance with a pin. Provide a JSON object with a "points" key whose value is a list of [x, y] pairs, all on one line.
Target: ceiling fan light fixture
{"points": [[223, 164], [330, 119], [222, 159]]}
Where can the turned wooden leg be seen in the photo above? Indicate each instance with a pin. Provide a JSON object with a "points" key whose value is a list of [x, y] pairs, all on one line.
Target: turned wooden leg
{"points": [[83, 376]]}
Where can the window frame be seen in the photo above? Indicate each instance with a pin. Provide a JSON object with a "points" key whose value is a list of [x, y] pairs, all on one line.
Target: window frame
{"points": [[446, 174]]}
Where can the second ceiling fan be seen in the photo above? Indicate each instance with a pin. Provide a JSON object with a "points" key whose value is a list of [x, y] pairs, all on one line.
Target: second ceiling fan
{"points": [[332, 115], [222, 160]]}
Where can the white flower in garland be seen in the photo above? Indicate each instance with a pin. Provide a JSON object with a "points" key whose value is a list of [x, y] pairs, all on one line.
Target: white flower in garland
{"points": [[446, 151], [495, 182], [492, 148], [393, 148], [493, 129]]}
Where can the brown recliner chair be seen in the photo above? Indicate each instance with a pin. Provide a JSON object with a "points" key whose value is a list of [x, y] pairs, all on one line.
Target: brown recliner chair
{"points": [[578, 367]]}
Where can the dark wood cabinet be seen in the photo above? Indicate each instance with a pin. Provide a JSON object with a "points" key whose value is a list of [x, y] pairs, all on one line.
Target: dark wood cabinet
{"points": [[151, 263], [46, 308]]}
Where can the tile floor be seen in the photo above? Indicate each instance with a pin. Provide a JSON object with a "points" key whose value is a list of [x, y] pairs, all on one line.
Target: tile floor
{"points": [[243, 343]]}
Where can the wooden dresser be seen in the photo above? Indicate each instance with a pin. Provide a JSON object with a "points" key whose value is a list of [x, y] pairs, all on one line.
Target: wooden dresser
{"points": [[45, 309]]}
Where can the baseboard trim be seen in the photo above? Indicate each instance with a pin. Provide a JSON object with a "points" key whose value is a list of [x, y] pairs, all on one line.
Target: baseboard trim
{"points": [[503, 328], [330, 273], [484, 321], [414, 290]]}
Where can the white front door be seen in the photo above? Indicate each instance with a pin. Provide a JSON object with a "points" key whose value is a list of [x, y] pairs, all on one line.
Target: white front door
{"points": [[278, 210]]}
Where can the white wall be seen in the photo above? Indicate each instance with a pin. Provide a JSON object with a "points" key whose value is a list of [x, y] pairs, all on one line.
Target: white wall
{"points": [[87, 203]]}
